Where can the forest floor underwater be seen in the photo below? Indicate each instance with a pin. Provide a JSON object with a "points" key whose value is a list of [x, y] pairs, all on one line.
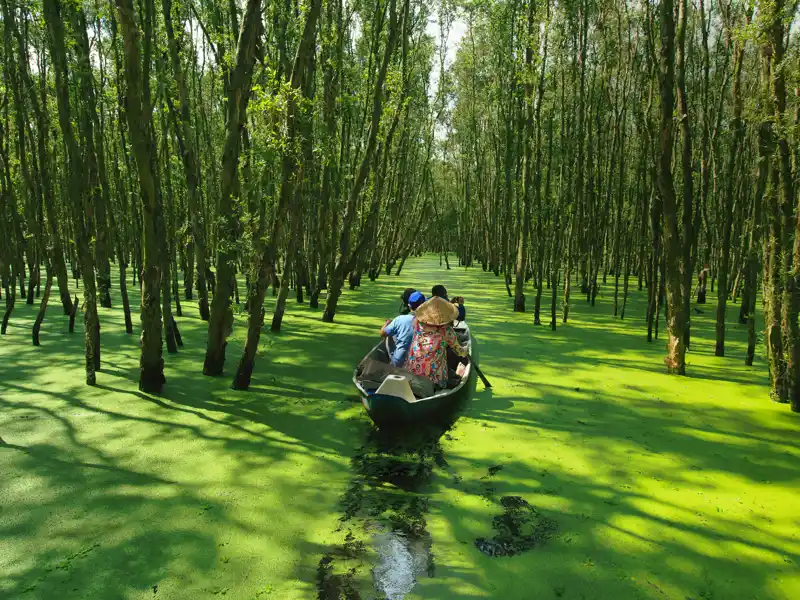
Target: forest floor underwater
{"points": [[599, 476]]}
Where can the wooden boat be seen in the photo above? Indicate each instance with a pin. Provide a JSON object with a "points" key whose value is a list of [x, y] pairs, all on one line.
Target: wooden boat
{"points": [[394, 403]]}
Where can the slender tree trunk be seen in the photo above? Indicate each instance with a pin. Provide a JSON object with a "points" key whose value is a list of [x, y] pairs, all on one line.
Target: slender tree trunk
{"points": [[37, 324], [140, 125], [751, 287], [340, 269], [188, 150], [94, 158], [11, 300], [568, 271], [786, 201], [687, 236], [221, 321], [540, 242], [727, 204], [626, 275], [771, 22], [655, 263], [527, 183], [77, 187], [280, 304], [676, 348], [289, 200]]}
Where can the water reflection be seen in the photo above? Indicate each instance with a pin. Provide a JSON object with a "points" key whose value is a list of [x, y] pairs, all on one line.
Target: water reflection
{"points": [[402, 560], [384, 510]]}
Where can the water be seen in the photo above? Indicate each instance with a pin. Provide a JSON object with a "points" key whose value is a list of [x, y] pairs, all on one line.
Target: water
{"points": [[402, 560], [387, 547]]}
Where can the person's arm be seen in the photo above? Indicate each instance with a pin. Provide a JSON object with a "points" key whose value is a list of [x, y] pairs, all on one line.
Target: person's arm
{"points": [[452, 341], [388, 330]]}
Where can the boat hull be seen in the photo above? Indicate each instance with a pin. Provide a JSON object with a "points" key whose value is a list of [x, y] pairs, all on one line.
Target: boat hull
{"points": [[392, 411]]}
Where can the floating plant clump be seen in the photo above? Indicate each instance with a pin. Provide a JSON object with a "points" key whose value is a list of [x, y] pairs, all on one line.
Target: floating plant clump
{"points": [[521, 527]]}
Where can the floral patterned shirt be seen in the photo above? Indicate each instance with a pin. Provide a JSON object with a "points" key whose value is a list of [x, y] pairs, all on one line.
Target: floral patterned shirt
{"points": [[428, 353]]}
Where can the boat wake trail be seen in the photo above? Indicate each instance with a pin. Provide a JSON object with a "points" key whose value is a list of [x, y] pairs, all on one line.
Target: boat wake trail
{"points": [[386, 547]]}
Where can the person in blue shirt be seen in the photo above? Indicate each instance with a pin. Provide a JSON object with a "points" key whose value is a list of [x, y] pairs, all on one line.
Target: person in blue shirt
{"points": [[402, 330], [441, 292]]}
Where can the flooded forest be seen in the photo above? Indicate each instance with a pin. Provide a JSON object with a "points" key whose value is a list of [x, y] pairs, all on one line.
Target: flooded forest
{"points": [[208, 209]]}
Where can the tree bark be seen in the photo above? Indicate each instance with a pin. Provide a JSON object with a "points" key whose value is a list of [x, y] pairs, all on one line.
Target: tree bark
{"points": [[94, 157], [737, 126], [77, 188], [37, 324], [540, 241], [336, 281], [140, 125], [186, 141], [528, 179], [221, 321], [687, 173], [676, 349], [289, 199]]}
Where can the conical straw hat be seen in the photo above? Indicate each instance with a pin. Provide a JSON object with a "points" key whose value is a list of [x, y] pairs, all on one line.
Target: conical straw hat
{"points": [[437, 311]]}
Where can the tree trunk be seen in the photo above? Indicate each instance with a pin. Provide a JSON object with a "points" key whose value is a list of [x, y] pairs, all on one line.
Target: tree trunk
{"points": [[289, 200], [280, 304], [655, 263], [221, 321], [771, 22], [94, 160], [140, 125], [188, 150], [528, 179], [790, 249], [727, 204], [37, 324], [11, 300], [537, 184], [676, 348], [77, 187], [340, 269], [751, 287]]}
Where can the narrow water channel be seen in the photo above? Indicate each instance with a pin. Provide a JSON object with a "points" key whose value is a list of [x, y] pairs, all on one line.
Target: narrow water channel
{"points": [[386, 547]]}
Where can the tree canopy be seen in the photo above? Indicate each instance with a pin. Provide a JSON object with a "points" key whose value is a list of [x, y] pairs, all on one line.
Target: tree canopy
{"points": [[307, 145]]}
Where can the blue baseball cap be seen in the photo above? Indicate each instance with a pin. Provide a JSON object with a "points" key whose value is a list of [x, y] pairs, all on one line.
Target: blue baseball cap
{"points": [[416, 299]]}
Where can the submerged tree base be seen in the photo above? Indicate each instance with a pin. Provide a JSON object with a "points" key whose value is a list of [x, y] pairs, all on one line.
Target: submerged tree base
{"points": [[243, 375], [151, 378], [214, 365]]}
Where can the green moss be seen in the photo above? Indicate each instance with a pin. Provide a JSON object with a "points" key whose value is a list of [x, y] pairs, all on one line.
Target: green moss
{"points": [[662, 487]]}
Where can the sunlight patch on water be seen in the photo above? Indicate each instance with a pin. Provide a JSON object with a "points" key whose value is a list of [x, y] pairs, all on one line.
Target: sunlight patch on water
{"points": [[402, 561]]}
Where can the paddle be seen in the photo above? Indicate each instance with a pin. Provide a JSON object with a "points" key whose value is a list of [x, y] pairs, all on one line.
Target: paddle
{"points": [[481, 375]]}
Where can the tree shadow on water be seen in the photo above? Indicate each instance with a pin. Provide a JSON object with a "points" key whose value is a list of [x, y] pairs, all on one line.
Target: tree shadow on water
{"points": [[88, 533]]}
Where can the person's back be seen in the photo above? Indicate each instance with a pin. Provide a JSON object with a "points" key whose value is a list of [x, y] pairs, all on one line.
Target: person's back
{"points": [[433, 335], [402, 330]]}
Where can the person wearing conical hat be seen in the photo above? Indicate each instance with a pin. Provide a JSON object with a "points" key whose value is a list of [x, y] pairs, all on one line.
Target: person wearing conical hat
{"points": [[433, 335]]}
